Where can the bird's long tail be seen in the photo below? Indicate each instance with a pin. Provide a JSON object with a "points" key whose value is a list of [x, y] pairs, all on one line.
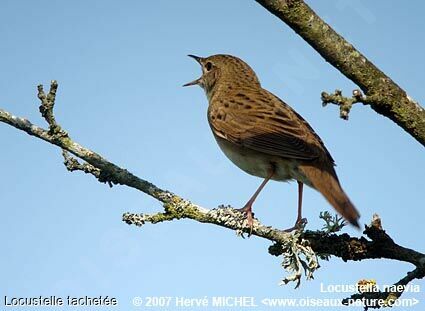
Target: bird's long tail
{"points": [[326, 182]]}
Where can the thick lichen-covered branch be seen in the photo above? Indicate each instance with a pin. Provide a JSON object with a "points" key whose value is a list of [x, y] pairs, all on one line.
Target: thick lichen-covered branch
{"points": [[300, 249], [389, 99], [303, 248]]}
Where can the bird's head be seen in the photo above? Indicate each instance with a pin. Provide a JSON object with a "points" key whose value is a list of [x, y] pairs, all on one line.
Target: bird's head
{"points": [[223, 71]]}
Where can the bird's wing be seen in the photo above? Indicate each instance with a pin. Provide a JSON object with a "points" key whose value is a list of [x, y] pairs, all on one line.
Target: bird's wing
{"points": [[264, 123]]}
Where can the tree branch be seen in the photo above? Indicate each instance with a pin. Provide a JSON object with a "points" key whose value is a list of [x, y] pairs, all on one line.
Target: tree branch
{"points": [[376, 299], [383, 246], [386, 97], [300, 250]]}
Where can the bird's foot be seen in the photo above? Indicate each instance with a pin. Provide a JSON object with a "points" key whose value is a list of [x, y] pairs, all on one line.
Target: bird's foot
{"points": [[247, 210], [299, 224]]}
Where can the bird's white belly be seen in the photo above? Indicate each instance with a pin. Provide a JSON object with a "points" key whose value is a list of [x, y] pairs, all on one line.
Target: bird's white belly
{"points": [[259, 164]]}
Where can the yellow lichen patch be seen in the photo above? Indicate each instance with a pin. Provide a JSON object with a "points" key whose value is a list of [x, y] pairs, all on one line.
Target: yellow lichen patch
{"points": [[364, 286]]}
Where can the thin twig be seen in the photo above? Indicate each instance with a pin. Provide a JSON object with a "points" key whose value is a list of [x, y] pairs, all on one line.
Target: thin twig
{"points": [[345, 103]]}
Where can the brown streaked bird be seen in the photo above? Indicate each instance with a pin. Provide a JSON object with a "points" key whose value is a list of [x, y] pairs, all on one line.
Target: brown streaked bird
{"points": [[264, 136]]}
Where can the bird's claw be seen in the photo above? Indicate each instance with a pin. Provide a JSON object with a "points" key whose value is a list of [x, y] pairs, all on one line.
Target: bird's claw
{"points": [[299, 225], [247, 211]]}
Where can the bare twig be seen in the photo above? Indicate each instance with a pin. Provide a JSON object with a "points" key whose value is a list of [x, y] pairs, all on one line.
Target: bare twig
{"points": [[46, 108], [345, 103], [72, 164]]}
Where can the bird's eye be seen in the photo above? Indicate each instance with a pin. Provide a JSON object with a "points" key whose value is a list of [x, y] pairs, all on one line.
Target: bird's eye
{"points": [[208, 66]]}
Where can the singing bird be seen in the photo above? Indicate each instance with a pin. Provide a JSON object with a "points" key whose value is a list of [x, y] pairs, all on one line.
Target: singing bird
{"points": [[264, 136]]}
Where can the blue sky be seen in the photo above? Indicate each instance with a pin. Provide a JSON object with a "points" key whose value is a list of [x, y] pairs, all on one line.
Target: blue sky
{"points": [[120, 67]]}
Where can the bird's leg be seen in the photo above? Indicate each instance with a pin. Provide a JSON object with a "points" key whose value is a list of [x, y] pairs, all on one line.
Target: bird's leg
{"points": [[300, 219], [300, 201], [247, 209]]}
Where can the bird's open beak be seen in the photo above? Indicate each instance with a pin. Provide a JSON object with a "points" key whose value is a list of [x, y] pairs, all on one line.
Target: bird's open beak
{"points": [[197, 81], [194, 82], [197, 58]]}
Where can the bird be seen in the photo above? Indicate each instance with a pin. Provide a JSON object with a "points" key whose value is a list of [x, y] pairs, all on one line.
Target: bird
{"points": [[265, 137]]}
